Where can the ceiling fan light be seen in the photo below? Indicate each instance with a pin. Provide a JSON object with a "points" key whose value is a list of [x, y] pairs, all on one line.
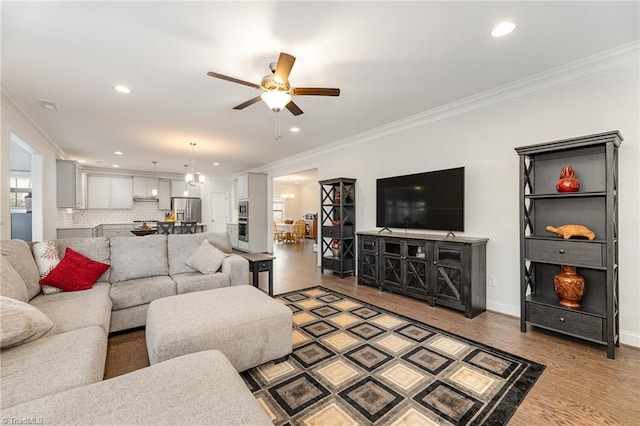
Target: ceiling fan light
{"points": [[276, 100]]}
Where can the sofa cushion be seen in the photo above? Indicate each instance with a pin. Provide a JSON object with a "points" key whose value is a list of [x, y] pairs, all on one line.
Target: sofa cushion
{"points": [[89, 308], [188, 283], [98, 288], [52, 364], [138, 257], [11, 283], [181, 247], [125, 294], [45, 253], [207, 259], [19, 254], [94, 248], [21, 323], [75, 272], [201, 388]]}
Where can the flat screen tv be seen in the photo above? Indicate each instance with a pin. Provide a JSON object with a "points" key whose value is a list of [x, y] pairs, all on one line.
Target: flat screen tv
{"points": [[431, 200]]}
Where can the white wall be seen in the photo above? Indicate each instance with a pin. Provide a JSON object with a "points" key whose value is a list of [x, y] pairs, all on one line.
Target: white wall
{"points": [[483, 141], [307, 198], [13, 120]]}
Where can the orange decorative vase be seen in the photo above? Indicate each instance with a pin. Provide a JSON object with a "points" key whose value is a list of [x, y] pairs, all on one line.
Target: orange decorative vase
{"points": [[568, 181], [569, 286]]}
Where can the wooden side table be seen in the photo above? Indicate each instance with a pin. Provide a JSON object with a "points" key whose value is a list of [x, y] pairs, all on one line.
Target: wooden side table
{"points": [[259, 262]]}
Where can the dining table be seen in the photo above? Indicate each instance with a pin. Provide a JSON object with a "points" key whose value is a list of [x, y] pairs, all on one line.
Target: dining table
{"points": [[286, 230]]}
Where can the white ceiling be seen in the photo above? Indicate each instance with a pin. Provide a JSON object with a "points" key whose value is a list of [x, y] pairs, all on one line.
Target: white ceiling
{"points": [[390, 59]]}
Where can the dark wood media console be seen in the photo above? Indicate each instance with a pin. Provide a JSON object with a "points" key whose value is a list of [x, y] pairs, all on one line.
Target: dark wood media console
{"points": [[447, 271]]}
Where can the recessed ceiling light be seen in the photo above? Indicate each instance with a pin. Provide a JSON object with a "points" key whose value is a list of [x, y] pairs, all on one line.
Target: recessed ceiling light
{"points": [[216, 164], [295, 129], [117, 152], [115, 166], [503, 28], [122, 89]]}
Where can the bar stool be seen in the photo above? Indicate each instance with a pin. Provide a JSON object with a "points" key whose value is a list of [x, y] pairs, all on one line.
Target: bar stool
{"points": [[165, 228], [188, 227]]}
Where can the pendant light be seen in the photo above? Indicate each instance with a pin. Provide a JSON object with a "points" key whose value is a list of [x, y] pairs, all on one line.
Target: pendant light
{"points": [[154, 191], [193, 178], [185, 193]]}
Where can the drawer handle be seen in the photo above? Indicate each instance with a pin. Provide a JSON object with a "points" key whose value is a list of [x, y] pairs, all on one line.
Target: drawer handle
{"points": [[561, 251], [561, 319]]}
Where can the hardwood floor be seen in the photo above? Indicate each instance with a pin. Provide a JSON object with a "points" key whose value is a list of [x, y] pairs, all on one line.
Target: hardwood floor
{"points": [[580, 385]]}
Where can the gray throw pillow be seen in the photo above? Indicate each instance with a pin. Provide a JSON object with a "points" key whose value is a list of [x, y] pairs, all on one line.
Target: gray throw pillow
{"points": [[11, 283], [207, 259], [21, 323]]}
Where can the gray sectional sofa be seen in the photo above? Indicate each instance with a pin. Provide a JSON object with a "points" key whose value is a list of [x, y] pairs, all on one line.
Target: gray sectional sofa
{"points": [[50, 369]]}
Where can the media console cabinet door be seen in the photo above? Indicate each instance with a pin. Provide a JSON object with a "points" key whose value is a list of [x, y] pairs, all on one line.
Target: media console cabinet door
{"points": [[449, 273]]}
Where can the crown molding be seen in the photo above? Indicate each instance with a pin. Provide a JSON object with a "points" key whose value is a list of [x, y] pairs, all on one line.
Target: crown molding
{"points": [[618, 58], [10, 100]]}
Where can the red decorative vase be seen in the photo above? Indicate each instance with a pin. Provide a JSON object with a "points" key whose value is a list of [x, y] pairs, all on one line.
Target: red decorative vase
{"points": [[569, 286], [568, 181]]}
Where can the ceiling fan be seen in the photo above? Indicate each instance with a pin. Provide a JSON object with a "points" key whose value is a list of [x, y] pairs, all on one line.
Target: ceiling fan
{"points": [[276, 91]]}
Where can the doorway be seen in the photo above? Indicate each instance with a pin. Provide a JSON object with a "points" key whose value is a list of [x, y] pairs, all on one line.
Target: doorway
{"points": [[219, 211], [26, 192]]}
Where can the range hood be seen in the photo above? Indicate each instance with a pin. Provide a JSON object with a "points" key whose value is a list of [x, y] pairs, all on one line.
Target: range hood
{"points": [[145, 198]]}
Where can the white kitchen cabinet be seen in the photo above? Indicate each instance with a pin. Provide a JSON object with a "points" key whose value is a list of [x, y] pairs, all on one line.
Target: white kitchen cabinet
{"points": [[69, 184], [121, 193], [164, 194], [178, 188], [144, 186], [232, 230], [98, 192], [243, 187], [109, 192]]}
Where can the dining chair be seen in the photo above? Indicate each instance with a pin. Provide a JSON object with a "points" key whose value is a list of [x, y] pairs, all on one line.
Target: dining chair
{"points": [[165, 228], [188, 227], [278, 236], [299, 228]]}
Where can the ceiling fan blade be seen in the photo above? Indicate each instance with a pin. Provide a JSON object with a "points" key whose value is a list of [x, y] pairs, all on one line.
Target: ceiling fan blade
{"points": [[294, 109], [317, 91], [247, 103], [233, 80], [283, 67]]}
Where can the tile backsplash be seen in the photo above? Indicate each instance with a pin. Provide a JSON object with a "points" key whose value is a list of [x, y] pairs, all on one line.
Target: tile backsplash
{"points": [[142, 210]]}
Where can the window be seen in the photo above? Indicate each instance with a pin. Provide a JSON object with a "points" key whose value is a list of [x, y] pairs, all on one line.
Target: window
{"points": [[20, 188], [278, 209]]}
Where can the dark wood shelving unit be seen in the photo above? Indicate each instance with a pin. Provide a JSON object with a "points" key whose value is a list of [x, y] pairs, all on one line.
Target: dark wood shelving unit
{"points": [[338, 225], [594, 205]]}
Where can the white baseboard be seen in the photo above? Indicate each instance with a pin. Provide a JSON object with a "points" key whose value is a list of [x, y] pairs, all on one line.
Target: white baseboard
{"points": [[630, 338]]}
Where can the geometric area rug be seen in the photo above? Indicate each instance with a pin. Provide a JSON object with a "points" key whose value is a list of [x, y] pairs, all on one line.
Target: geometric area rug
{"points": [[354, 363]]}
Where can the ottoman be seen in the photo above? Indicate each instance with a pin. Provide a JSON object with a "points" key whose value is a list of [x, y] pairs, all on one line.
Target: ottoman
{"points": [[242, 322]]}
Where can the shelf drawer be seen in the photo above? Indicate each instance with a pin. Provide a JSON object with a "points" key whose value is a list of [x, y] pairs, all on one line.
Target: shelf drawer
{"points": [[568, 322], [564, 252], [262, 266], [334, 231], [334, 264]]}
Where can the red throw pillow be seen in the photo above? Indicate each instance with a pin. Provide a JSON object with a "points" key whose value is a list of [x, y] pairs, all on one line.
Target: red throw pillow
{"points": [[75, 272]]}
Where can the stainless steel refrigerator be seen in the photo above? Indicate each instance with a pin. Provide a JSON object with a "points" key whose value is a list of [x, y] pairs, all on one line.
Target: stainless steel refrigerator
{"points": [[187, 209]]}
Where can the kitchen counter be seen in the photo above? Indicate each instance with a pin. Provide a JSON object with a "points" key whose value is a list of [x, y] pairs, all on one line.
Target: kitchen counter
{"points": [[122, 229]]}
